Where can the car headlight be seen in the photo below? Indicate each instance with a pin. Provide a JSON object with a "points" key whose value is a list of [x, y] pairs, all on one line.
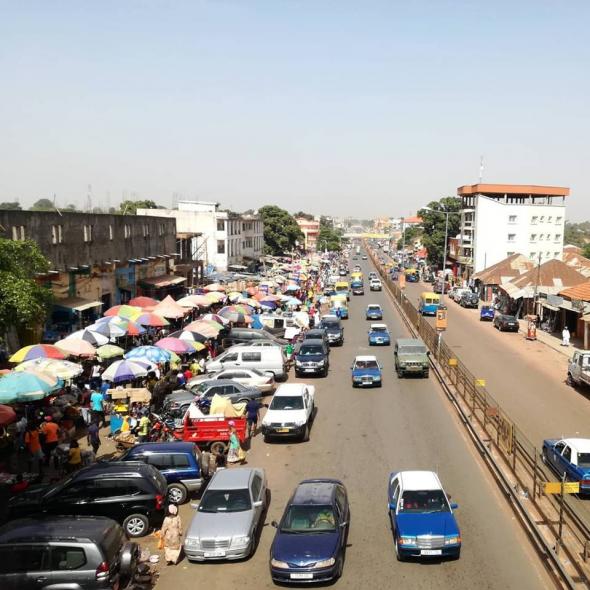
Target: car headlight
{"points": [[376, 377], [300, 422], [356, 378], [298, 362], [405, 540], [325, 563], [192, 542], [240, 541], [321, 363], [279, 564], [453, 540]]}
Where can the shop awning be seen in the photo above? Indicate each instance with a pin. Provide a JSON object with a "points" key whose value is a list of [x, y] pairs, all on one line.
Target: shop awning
{"points": [[549, 306], [163, 281], [77, 303]]}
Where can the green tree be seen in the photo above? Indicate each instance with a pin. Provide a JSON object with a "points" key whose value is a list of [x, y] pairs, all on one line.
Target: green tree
{"points": [[70, 207], [11, 206], [329, 238], [130, 207], [43, 205], [412, 232], [303, 215], [433, 226], [281, 232], [586, 251], [576, 234], [23, 302]]}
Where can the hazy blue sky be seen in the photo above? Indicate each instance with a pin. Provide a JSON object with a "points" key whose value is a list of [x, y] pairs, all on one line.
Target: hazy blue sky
{"points": [[357, 108]]}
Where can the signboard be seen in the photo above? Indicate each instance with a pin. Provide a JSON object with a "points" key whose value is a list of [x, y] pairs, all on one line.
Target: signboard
{"points": [[441, 318], [453, 362], [505, 433], [135, 394], [480, 382], [569, 487]]}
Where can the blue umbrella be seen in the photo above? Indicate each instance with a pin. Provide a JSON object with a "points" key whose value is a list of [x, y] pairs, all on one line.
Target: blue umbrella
{"points": [[27, 386], [121, 371], [154, 354], [269, 304]]}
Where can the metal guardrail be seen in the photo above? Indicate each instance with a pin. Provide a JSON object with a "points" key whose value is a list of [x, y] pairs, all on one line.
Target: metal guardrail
{"points": [[522, 472]]}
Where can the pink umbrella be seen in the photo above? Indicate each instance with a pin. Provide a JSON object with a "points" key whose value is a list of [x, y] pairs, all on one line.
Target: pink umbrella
{"points": [[168, 308], [214, 287], [175, 345], [7, 415], [151, 319], [143, 302], [76, 347]]}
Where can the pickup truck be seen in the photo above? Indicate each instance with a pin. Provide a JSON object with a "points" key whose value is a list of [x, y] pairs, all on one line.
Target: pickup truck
{"points": [[290, 413], [578, 371], [570, 456]]}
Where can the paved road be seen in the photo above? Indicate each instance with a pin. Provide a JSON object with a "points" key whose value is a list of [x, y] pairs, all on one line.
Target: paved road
{"points": [[360, 436]]}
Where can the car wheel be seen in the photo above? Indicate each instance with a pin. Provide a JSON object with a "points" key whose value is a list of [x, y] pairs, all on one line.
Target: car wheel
{"points": [[128, 557], [177, 493], [265, 438], [218, 447], [136, 525], [398, 554], [544, 456], [339, 566], [297, 374], [325, 373], [569, 381], [305, 437], [400, 374], [425, 374], [243, 401]]}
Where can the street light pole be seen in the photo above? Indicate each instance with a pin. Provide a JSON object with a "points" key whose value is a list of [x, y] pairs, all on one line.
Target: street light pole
{"points": [[444, 260], [403, 241]]}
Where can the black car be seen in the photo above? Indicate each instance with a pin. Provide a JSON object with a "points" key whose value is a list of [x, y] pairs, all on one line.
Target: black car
{"points": [[312, 358], [333, 327], [249, 336], [65, 552], [133, 494], [469, 300], [505, 323], [318, 333]]}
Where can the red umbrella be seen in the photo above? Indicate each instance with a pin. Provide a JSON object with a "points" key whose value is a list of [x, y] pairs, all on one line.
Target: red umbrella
{"points": [[143, 301], [7, 415]]}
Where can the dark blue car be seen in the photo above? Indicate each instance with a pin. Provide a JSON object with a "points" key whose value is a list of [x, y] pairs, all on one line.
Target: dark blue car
{"points": [[422, 518], [310, 541], [569, 456], [486, 314]]}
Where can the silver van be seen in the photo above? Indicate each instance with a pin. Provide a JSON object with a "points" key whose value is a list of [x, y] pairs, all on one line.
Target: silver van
{"points": [[264, 358]]}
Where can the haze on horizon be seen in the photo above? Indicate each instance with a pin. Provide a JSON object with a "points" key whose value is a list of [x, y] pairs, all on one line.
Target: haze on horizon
{"points": [[333, 107]]}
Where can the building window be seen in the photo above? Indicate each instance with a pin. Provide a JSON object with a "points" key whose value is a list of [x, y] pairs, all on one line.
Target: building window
{"points": [[127, 231], [533, 237], [146, 230], [558, 237], [533, 255], [18, 232], [56, 234], [549, 219], [547, 254], [534, 220], [509, 254], [110, 232], [87, 233], [220, 225], [512, 219], [542, 220], [220, 247], [558, 220], [555, 254], [511, 237]]}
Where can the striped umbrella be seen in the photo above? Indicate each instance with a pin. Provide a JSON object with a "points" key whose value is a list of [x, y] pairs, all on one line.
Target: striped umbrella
{"points": [[236, 314], [124, 371], [26, 386], [214, 317], [251, 302], [200, 300], [109, 351], [187, 302], [234, 296], [56, 367], [123, 311], [176, 345], [152, 319], [215, 297], [152, 354], [95, 338], [190, 336], [37, 351], [76, 347]]}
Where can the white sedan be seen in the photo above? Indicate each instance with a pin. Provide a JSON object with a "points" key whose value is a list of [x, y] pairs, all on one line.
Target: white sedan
{"points": [[248, 377]]}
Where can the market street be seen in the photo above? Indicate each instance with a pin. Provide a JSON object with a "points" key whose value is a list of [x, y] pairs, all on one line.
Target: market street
{"points": [[360, 436]]}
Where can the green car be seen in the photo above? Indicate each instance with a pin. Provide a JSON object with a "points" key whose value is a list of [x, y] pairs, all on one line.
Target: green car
{"points": [[411, 357]]}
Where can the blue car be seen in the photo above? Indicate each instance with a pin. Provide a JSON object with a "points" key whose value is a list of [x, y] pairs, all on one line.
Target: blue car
{"points": [[486, 314], [379, 335], [374, 312], [310, 541], [366, 372], [570, 456], [343, 314], [422, 518]]}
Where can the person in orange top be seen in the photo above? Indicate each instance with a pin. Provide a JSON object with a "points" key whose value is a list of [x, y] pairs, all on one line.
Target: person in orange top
{"points": [[33, 444], [51, 432]]}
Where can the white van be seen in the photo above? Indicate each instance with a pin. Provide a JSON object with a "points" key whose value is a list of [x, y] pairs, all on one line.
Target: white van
{"points": [[263, 358]]}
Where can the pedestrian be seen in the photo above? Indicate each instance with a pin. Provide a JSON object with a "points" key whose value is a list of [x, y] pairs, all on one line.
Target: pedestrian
{"points": [[33, 446], [171, 535], [565, 334], [21, 430], [233, 454], [74, 457], [97, 407], [94, 436], [144, 428], [252, 415], [50, 432]]}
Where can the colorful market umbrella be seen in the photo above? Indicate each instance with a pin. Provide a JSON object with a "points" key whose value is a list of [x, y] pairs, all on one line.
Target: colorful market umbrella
{"points": [[193, 338], [76, 347], [152, 319], [168, 308], [204, 327], [151, 353], [187, 302], [215, 297], [234, 296], [109, 351], [118, 327], [143, 302], [123, 311], [214, 287], [200, 300], [236, 314], [215, 317], [176, 345], [7, 415], [269, 304], [56, 367], [254, 303], [190, 336], [95, 338], [26, 386], [37, 351], [124, 371]]}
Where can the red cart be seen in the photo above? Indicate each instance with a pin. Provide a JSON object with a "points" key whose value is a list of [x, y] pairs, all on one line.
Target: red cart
{"points": [[212, 431]]}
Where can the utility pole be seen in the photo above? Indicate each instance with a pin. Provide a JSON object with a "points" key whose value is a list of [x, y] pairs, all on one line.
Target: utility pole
{"points": [[537, 282], [444, 260], [403, 242]]}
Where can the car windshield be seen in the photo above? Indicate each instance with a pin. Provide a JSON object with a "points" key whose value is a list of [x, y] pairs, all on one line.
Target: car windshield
{"points": [[584, 460], [423, 501], [310, 350], [383, 329], [225, 501], [309, 519], [286, 402], [374, 308], [509, 318], [413, 349], [257, 372], [366, 365]]}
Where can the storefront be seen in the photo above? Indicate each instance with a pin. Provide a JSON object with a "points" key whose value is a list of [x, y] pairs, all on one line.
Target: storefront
{"points": [[69, 315]]}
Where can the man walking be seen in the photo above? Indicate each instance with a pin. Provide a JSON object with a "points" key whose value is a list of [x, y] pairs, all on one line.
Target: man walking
{"points": [[94, 436], [97, 408]]}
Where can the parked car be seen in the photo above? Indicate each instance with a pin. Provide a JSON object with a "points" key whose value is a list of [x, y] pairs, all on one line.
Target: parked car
{"points": [[230, 514], [375, 285], [133, 494], [438, 287], [263, 358], [578, 370], [457, 292], [505, 323], [486, 313], [469, 300], [234, 391], [179, 462], [77, 552], [312, 358], [410, 356], [248, 377], [366, 371], [248, 335], [379, 335], [569, 456], [374, 312], [290, 412], [333, 327], [421, 516], [310, 542]]}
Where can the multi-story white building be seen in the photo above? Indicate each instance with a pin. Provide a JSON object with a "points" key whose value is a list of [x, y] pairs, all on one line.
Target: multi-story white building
{"points": [[498, 220], [226, 239]]}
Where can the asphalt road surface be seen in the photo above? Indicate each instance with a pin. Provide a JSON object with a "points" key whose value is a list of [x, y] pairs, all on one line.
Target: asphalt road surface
{"points": [[360, 436]]}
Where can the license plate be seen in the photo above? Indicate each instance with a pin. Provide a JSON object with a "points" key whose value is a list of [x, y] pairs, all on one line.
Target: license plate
{"points": [[217, 553], [379, 340], [301, 576], [308, 370], [431, 552], [282, 430]]}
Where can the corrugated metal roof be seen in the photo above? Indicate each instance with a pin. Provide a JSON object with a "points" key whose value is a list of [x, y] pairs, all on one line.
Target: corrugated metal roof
{"points": [[581, 291], [552, 274], [505, 270]]}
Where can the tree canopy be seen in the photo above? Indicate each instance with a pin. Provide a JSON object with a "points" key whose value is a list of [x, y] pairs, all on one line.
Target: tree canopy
{"points": [[23, 302], [281, 232], [433, 225], [43, 205], [131, 207], [11, 206], [329, 238]]}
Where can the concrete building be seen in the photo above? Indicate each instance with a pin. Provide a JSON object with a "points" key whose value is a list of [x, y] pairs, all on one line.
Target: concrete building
{"points": [[498, 220], [222, 239], [311, 230]]}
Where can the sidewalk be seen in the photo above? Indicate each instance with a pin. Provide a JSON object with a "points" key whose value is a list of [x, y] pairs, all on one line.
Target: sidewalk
{"points": [[553, 340]]}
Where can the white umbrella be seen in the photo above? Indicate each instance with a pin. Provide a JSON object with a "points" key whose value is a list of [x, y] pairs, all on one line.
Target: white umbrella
{"points": [[95, 338]]}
